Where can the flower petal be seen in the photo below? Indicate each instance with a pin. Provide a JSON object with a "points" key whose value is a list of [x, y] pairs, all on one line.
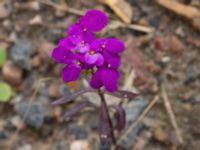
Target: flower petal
{"points": [[94, 20], [97, 44], [67, 43], [96, 82], [114, 45], [75, 29], [100, 60], [91, 59], [88, 37], [112, 59], [71, 73], [62, 55], [110, 79], [83, 48]]}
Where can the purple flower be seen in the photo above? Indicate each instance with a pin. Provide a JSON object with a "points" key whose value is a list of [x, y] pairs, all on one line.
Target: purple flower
{"points": [[82, 51]]}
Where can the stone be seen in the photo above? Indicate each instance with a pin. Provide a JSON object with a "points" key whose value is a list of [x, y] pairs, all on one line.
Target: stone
{"points": [[153, 67], [53, 90], [17, 122], [45, 50], [3, 135], [37, 20], [12, 73], [79, 132], [159, 43], [80, 145], [21, 52], [160, 135], [3, 10], [54, 35], [25, 147], [175, 44], [36, 115], [36, 61]]}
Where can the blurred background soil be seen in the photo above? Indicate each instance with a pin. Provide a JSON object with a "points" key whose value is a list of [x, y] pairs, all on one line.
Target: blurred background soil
{"points": [[162, 59]]}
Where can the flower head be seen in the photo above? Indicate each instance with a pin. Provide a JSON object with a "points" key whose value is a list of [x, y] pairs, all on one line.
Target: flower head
{"points": [[80, 50]]}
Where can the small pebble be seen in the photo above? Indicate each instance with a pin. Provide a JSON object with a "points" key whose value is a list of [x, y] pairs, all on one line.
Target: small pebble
{"points": [[175, 44], [36, 116], [25, 147], [53, 90], [12, 73], [36, 61], [21, 53], [80, 145]]}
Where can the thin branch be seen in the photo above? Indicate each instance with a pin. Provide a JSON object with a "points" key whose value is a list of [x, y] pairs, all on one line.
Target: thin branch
{"points": [[14, 137], [64, 7], [140, 118], [116, 24], [171, 115]]}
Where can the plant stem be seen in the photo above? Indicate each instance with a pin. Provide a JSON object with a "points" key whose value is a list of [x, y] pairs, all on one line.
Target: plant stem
{"points": [[103, 101]]}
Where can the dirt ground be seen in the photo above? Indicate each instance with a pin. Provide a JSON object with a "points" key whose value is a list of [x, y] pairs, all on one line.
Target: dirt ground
{"points": [[163, 63]]}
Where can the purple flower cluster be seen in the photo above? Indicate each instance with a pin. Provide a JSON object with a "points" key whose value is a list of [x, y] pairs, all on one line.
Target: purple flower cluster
{"points": [[81, 50]]}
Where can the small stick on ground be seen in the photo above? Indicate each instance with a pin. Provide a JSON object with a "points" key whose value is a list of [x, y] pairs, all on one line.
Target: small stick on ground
{"points": [[118, 24], [65, 8], [62, 7], [38, 84], [171, 115], [140, 118]]}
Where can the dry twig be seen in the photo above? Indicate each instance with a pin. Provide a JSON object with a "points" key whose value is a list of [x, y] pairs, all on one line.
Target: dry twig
{"points": [[116, 24], [62, 7], [171, 115], [140, 118], [38, 84]]}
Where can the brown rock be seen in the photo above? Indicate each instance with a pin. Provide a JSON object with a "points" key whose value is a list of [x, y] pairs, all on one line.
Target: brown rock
{"points": [[53, 90], [194, 41], [160, 43], [36, 61], [45, 50], [3, 11], [175, 44], [12, 73], [160, 135], [153, 67], [143, 22]]}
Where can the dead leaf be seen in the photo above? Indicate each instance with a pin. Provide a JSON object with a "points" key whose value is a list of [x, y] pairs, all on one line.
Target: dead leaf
{"points": [[189, 12], [122, 9]]}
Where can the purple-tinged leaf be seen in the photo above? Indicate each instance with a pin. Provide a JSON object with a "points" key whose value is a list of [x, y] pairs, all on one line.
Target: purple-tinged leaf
{"points": [[77, 108], [124, 94], [104, 128], [121, 117], [70, 98]]}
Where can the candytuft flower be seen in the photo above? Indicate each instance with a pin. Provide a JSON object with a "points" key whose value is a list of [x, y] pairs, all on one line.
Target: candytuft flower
{"points": [[80, 50]]}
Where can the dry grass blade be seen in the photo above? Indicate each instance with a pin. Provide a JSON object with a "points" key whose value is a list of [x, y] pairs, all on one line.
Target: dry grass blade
{"points": [[118, 24], [140, 118], [171, 115], [38, 84], [62, 7]]}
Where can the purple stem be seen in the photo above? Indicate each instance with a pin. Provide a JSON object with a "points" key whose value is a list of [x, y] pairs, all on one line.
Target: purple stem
{"points": [[103, 102]]}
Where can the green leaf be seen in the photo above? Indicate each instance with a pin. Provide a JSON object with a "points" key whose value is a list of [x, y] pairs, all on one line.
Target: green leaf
{"points": [[5, 92], [2, 56]]}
